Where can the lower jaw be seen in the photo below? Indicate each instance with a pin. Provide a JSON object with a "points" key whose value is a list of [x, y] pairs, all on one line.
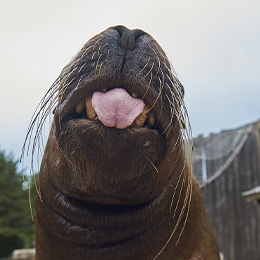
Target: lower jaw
{"points": [[131, 179]]}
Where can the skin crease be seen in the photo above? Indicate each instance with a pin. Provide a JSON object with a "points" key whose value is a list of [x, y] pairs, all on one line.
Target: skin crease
{"points": [[108, 193]]}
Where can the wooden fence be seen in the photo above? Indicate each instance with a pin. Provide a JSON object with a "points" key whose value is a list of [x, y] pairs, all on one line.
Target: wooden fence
{"points": [[236, 222]]}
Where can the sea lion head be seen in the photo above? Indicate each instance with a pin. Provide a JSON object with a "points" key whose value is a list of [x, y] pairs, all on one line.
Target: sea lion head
{"points": [[119, 128]]}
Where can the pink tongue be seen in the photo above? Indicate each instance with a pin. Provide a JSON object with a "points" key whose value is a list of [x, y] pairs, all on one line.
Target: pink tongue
{"points": [[116, 108]]}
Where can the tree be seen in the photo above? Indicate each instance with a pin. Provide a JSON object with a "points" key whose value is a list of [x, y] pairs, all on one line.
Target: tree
{"points": [[16, 225]]}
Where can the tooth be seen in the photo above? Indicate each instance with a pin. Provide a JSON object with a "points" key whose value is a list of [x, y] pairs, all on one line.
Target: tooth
{"points": [[134, 95], [104, 90], [140, 120], [151, 118], [89, 108], [80, 106]]}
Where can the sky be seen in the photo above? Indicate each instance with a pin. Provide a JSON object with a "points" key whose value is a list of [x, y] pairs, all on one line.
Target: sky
{"points": [[213, 45]]}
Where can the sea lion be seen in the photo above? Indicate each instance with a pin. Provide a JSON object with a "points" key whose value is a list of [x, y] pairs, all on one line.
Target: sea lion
{"points": [[116, 176]]}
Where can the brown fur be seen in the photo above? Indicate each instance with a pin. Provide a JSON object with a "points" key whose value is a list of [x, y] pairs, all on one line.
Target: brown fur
{"points": [[107, 193]]}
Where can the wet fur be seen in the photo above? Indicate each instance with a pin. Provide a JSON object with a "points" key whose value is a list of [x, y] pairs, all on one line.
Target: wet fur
{"points": [[144, 195]]}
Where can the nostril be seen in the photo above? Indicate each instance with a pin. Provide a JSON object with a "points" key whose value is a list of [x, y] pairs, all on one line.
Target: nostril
{"points": [[137, 33], [128, 38], [121, 29], [134, 35]]}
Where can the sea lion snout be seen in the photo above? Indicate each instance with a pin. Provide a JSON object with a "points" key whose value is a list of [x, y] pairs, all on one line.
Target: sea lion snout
{"points": [[107, 62]]}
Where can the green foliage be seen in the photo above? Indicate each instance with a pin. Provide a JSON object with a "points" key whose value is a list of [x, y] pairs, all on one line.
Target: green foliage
{"points": [[16, 225]]}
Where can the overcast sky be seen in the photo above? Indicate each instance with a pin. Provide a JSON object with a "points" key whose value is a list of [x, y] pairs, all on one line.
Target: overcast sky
{"points": [[213, 45]]}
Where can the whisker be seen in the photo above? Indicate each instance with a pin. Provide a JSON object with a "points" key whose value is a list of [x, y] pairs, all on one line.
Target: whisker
{"points": [[143, 68], [148, 159]]}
